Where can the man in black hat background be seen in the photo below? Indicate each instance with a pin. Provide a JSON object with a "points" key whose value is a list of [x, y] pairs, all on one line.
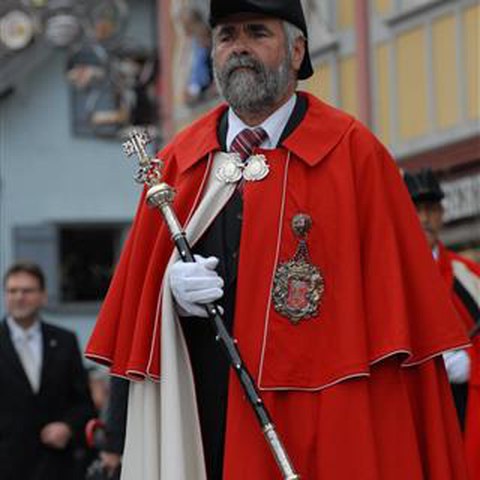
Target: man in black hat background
{"points": [[462, 277], [297, 216]]}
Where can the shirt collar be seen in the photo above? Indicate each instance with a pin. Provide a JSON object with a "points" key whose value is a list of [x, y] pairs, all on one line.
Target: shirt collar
{"points": [[321, 130], [19, 333], [274, 125]]}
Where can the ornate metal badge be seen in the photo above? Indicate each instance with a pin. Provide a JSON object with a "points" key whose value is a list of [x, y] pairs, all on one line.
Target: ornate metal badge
{"points": [[299, 285], [233, 169], [256, 168]]}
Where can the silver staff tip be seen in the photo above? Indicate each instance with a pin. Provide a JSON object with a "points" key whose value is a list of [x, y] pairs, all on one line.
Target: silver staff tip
{"points": [[136, 143]]}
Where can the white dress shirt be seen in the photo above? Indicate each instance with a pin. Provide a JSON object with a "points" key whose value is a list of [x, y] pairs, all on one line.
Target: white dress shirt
{"points": [[33, 336], [274, 125]]}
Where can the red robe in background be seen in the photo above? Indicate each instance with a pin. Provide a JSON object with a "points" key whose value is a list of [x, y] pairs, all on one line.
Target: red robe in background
{"points": [[360, 391], [467, 273], [472, 427]]}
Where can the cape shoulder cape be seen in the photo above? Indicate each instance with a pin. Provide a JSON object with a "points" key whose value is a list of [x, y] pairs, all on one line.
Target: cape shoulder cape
{"points": [[383, 296]]}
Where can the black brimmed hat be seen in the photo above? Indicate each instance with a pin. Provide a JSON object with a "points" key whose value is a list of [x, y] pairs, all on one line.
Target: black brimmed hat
{"points": [[423, 186], [289, 10]]}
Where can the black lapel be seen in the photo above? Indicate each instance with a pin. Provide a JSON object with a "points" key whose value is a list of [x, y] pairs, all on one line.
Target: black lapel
{"points": [[298, 114], [50, 347], [222, 131], [223, 237], [9, 353]]}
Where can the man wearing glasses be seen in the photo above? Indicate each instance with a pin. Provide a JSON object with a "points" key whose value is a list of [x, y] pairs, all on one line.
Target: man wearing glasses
{"points": [[45, 400]]}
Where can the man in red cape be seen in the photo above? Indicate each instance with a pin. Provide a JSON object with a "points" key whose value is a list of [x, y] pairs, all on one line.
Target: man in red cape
{"points": [[472, 427], [462, 277], [328, 286]]}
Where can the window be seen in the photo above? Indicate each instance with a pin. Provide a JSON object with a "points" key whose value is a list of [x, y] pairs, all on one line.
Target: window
{"points": [[78, 260], [87, 256], [405, 7], [405, 10]]}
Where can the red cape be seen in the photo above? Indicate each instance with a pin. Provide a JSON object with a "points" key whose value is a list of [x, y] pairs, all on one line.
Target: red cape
{"points": [[445, 259], [472, 419], [472, 424], [384, 306]]}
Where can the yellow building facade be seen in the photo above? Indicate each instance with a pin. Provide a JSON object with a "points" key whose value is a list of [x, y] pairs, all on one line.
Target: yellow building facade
{"points": [[423, 69]]}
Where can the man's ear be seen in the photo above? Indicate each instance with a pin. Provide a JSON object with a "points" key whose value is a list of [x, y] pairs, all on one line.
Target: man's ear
{"points": [[298, 53]]}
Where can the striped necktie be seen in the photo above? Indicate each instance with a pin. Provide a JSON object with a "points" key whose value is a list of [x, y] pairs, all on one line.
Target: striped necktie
{"points": [[245, 142]]}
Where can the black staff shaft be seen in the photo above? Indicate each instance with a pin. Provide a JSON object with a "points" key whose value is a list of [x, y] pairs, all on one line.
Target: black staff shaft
{"points": [[226, 340]]}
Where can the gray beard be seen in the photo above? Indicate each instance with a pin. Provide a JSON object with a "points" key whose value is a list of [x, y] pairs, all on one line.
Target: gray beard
{"points": [[252, 91]]}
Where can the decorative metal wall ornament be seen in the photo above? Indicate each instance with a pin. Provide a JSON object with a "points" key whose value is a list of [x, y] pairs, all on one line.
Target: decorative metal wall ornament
{"points": [[254, 169], [299, 285], [17, 29], [62, 28], [64, 23]]}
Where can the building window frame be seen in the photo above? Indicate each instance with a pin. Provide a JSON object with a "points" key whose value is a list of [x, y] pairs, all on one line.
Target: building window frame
{"points": [[42, 244], [405, 10]]}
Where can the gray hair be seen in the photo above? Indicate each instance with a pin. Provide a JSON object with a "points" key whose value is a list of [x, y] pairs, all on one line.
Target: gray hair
{"points": [[292, 33]]}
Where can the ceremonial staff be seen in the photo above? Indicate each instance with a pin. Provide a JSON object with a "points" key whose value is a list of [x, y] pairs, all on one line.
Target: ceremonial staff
{"points": [[160, 196]]}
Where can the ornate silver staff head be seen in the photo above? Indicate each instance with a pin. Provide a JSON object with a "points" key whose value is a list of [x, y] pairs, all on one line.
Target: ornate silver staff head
{"points": [[149, 171]]}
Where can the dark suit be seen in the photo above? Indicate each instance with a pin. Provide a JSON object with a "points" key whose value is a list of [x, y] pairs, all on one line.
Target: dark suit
{"points": [[63, 396]]}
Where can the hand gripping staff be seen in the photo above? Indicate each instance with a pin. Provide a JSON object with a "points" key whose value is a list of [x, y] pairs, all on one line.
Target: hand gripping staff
{"points": [[160, 196]]}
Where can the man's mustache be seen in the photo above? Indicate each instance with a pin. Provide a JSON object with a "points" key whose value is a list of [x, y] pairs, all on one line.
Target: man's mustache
{"points": [[242, 61]]}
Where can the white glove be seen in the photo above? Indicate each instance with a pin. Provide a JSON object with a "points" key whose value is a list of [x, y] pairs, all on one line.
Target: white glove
{"points": [[457, 364], [194, 285]]}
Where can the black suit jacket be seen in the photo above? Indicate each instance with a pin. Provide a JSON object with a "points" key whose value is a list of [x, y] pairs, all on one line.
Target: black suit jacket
{"points": [[63, 396]]}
